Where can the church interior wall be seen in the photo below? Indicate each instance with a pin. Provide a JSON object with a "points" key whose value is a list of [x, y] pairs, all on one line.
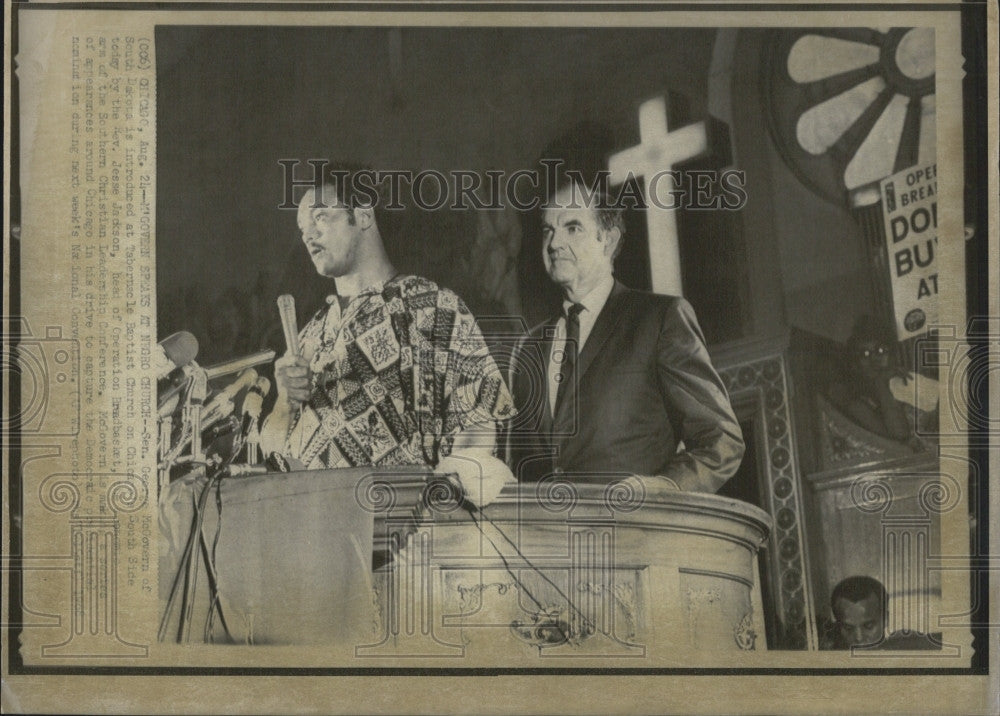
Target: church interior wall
{"points": [[409, 110], [804, 246], [343, 93], [404, 101]]}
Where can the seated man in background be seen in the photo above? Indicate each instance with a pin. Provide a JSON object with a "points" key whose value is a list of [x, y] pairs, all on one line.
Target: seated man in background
{"points": [[393, 370], [860, 610], [860, 606]]}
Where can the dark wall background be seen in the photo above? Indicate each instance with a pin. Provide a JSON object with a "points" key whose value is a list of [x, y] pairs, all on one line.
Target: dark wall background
{"points": [[233, 101]]}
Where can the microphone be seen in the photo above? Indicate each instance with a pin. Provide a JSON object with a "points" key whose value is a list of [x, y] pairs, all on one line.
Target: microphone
{"points": [[162, 365], [245, 470], [223, 441], [175, 351], [198, 390], [274, 462], [193, 405], [236, 365], [174, 395], [253, 402], [168, 404], [171, 359], [286, 309], [222, 402]]}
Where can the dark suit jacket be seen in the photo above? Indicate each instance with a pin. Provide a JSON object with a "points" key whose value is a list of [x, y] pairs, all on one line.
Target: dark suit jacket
{"points": [[644, 382]]}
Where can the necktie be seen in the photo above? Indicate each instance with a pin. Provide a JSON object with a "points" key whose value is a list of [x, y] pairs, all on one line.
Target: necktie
{"points": [[570, 354]]}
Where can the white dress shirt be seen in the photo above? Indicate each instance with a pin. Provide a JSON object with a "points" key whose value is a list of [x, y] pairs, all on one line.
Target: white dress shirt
{"points": [[592, 303]]}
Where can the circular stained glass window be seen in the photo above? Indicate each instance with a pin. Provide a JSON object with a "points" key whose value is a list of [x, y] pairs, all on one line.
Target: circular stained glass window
{"points": [[850, 106]]}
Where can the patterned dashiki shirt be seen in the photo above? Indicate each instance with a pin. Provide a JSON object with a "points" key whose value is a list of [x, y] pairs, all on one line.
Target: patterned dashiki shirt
{"points": [[396, 375]]}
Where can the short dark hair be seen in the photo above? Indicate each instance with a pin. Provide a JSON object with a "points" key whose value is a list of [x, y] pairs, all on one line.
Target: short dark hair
{"points": [[858, 588], [345, 182]]}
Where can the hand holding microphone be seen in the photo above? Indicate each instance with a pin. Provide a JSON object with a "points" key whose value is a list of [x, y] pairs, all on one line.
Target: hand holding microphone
{"points": [[291, 371], [293, 380]]}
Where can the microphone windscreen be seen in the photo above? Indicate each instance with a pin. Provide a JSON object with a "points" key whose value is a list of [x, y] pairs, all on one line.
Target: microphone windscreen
{"points": [[276, 462], [162, 365], [253, 403], [262, 386], [181, 348]]}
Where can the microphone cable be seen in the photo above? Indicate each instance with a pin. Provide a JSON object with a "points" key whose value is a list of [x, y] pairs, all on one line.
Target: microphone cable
{"points": [[188, 563], [215, 604], [471, 509]]}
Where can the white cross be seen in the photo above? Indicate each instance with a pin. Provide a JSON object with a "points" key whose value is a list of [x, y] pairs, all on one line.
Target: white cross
{"points": [[658, 150]]}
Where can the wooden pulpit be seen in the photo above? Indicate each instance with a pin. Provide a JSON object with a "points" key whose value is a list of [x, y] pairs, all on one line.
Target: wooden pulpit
{"points": [[394, 564]]}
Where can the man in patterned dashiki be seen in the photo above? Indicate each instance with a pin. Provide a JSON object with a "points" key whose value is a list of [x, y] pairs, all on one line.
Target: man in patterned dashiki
{"points": [[394, 369]]}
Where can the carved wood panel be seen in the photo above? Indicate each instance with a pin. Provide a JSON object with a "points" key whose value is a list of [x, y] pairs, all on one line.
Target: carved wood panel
{"points": [[764, 381]]}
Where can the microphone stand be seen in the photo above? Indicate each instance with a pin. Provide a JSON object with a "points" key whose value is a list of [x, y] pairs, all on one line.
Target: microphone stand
{"points": [[252, 442], [195, 392], [192, 412], [166, 427]]}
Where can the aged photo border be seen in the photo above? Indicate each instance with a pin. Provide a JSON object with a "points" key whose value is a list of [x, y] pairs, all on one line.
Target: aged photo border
{"points": [[977, 174]]}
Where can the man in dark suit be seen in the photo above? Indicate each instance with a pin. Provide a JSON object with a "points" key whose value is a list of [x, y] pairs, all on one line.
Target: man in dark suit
{"points": [[620, 384]]}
